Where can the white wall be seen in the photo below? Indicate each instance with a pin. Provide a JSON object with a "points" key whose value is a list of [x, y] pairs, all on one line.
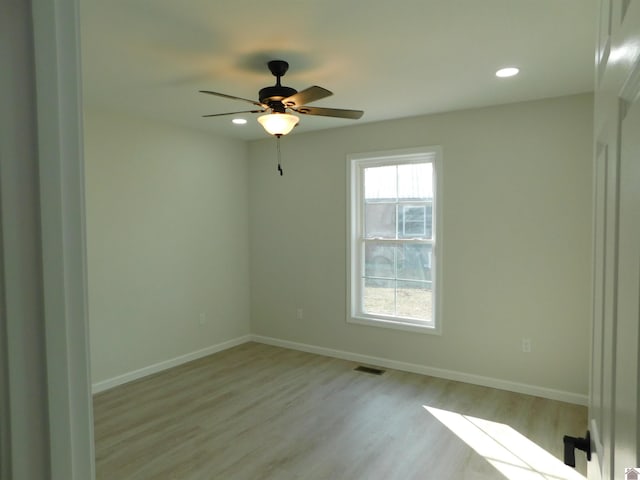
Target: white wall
{"points": [[517, 241], [167, 234]]}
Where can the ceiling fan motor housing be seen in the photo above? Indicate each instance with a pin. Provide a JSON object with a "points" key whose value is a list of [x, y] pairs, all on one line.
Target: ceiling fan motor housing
{"points": [[274, 95]]}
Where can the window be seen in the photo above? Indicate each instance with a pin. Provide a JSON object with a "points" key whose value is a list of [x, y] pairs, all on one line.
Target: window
{"points": [[414, 221], [394, 239]]}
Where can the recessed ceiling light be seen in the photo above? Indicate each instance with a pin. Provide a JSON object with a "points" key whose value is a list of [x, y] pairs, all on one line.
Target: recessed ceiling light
{"points": [[239, 121], [507, 72]]}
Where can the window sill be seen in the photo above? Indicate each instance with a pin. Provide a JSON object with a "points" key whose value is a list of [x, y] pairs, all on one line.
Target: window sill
{"points": [[393, 324]]}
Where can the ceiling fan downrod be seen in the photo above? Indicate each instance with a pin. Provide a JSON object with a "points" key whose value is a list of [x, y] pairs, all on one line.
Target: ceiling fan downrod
{"points": [[274, 95]]}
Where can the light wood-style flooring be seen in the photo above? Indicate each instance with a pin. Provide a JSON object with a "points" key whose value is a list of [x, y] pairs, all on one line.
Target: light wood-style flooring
{"points": [[259, 412]]}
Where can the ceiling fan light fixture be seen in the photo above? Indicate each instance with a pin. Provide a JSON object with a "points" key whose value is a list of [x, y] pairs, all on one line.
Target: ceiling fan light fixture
{"points": [[278, 124]]}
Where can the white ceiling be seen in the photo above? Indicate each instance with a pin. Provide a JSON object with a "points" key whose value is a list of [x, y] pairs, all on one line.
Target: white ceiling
{"points": [[389, 58]]}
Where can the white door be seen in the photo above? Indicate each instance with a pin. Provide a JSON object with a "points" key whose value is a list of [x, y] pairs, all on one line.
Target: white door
{"points": [[614, 396]]}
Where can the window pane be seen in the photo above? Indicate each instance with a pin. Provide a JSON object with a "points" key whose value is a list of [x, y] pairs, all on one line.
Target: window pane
{"points": [[379, 297], [379, 260], [414, 299], [380, 220], [415, 181], [414, 262], [380, 183]]}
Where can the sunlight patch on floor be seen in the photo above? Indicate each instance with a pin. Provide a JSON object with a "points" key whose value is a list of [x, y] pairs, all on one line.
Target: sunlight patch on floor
{"points": [[510, 452]]}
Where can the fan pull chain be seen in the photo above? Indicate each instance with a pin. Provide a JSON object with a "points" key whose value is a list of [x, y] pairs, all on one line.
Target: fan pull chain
{"points": [[279, 155]]}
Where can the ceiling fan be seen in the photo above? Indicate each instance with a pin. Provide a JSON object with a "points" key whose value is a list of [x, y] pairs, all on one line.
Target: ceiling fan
{"points": [[278, 99]]}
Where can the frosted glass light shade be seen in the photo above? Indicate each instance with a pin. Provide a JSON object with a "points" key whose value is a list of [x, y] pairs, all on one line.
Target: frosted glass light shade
{"points": [[278, 123]]}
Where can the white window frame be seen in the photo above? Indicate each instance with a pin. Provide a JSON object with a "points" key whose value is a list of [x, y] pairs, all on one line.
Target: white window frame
{"points": [[356, 163]]}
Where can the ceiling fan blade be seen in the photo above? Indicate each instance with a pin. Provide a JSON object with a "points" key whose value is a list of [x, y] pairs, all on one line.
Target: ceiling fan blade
{"points": [[307, 95], [330, 112], [253, 102], [233, 113]]}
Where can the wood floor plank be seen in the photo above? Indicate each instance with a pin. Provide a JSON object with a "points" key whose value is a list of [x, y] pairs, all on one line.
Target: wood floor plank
{"points": [[263, 412]]}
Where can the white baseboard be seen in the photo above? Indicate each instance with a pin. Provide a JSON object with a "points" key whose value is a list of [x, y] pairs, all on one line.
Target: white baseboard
{"points": [[173, 362], [538, 391], [550, 393]]}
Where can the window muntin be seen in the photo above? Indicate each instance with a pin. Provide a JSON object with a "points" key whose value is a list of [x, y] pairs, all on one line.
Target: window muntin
{"points": [[393, 239]]}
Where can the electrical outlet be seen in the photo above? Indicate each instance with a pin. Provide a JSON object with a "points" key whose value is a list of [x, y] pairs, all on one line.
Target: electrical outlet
{"points": [[299, 314], [526, 345], [202, 319]]}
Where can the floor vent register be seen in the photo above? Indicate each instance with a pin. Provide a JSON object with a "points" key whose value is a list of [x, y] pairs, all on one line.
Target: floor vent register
{"points": [[370, 370]]}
